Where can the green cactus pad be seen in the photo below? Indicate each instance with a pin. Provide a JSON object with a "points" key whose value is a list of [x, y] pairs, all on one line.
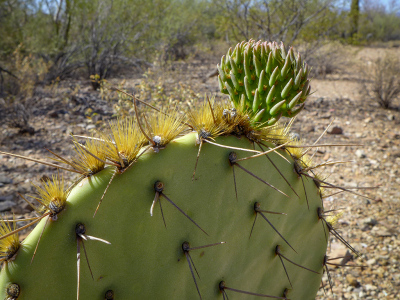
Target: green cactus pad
{"points": [[262, 75], [145, 259]]}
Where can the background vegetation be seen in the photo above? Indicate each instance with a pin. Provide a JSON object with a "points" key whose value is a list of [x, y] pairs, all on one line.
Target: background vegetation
{"points": [[45, 41]]}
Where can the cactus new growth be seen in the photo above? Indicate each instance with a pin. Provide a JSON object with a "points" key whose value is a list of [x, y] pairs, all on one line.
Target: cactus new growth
{"points": [[221, 204], [266, 79]]}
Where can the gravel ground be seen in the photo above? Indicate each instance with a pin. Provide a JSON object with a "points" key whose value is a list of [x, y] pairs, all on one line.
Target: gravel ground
{"points": [[370, 223]]}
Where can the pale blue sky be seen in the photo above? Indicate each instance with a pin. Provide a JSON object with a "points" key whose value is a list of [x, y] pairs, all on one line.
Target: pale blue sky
{"points": [[387, 3]]}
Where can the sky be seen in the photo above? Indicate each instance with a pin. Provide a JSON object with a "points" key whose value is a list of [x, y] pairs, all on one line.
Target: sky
{"points": [[373, 3], [386, 3]]}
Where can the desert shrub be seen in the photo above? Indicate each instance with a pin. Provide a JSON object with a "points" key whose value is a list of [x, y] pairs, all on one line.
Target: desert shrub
{"points": [[381, 80], [21, 74], [30, 70], [18, 86], [326, 58], [155, 88], [17, 114]]}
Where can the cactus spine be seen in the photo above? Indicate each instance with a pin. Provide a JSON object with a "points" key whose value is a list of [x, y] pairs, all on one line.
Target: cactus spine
{"points": [[248, 223]]}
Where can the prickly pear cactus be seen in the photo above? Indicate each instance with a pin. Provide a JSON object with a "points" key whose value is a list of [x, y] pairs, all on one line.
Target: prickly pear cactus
{"points": [[231, 209]]}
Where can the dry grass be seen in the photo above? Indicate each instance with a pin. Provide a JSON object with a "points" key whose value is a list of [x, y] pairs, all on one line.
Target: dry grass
{"points": [[381, 79]]}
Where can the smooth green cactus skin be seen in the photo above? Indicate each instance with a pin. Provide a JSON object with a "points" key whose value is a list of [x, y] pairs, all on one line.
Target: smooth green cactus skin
{"points": [[145, 260], [262, 76]]}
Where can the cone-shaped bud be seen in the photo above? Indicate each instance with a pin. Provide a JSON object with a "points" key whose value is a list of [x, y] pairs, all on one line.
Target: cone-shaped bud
{"points": [[285, 68], [287, 88], [247, 88], [222, 87], [246, 65], [273, 120], [275, 53], [238, 54], [230, 88], [307, 94], [261, 82], [291, 55], [234, 68], [257, 65], [308, 90], [283, 51], [242, 100], [229, 52], [265, 75], [294, 112], [297, 80], [267, 48], [276, 108], [259, 115], [305, 88], [263, 53], [274, 76], [306, 70], [221, 73], [270, 95], [298, 61], [268, 68], [256, 101], [257, 48], [236, 82], [223, 62], [294, 100], [236, 47]]}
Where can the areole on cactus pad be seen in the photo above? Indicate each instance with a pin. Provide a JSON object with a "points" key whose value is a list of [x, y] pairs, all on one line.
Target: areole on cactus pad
{"points": [[231, 209]]}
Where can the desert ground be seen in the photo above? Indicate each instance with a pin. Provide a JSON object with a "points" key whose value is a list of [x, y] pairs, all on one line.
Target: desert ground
{"points": [[370, 223]]}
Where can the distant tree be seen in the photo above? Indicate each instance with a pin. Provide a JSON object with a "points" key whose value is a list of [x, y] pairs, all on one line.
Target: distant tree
{"points": [[281, 20], [379, 22], [354, 17]]}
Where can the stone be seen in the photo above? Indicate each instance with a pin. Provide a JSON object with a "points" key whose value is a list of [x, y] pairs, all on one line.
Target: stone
{"points": [[360, 153], [352, 280], [344, 256], [370, 221], [336, 130], [4, 179], [90, 126], [309, 128], [25, 187], [6, 198], [295, 136], [370, 287], [360, 135], [6, 205], [383, 233], [53, 114], [395, 154], [325, 116]]}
